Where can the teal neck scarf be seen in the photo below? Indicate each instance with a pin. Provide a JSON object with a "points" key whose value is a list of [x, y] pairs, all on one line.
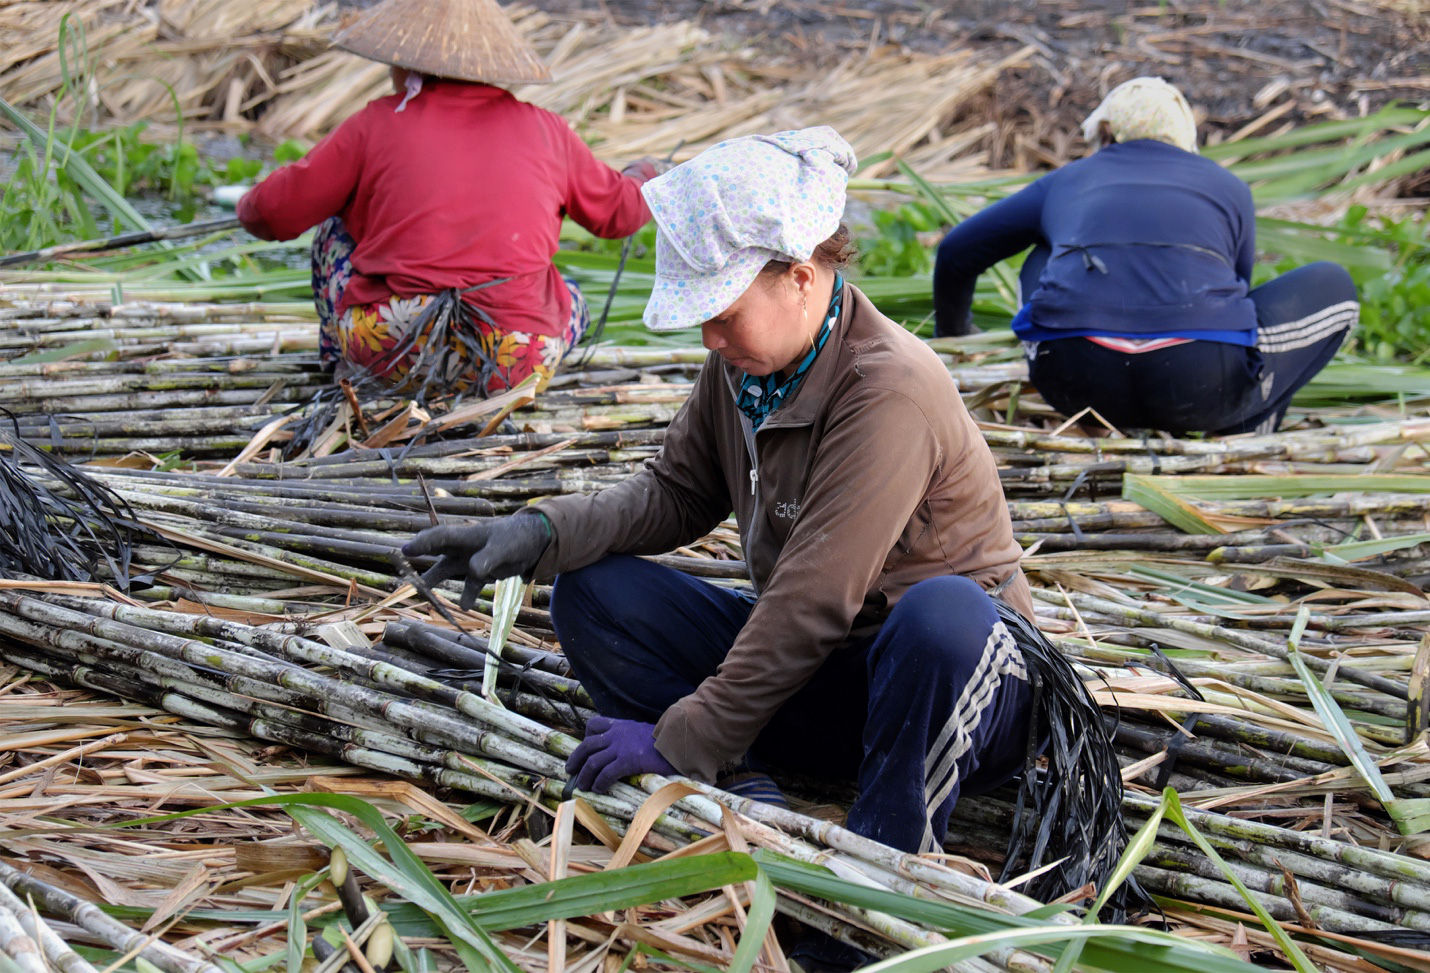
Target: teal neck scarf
{"points": [[761, 395]]}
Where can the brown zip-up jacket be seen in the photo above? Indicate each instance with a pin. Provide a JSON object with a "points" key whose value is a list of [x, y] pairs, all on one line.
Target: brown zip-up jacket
{"points": [[872, 478]]}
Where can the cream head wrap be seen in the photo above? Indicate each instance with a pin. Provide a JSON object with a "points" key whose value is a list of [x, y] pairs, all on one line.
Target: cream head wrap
{"points": [[1145, 108]]}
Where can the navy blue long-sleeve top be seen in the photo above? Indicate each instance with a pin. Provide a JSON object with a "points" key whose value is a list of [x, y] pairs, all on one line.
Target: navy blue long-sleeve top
{"points": [[1141, 239]]}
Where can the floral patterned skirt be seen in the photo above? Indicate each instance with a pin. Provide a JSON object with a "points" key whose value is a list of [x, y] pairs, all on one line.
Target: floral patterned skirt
{"points": [[363, 337]]}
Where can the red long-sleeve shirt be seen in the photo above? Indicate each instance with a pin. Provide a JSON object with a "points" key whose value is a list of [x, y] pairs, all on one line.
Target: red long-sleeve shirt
{"points": [[466, 184]]}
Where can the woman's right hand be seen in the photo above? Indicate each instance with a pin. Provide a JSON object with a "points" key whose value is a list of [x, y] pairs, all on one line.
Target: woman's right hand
{"points": [[482, 552]]}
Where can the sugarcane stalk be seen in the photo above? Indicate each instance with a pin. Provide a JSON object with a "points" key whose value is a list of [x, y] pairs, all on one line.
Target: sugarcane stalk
{"points": [[126, 401], [581, 444], [468, 650], [1277, 688], [1224, 760], [39, 392], [1396, 869], [428, 716], [18, 945], [402, 496], [529, 741], [327, 955], [562, 698], [291, 365], [261, 606], [42, 429]]}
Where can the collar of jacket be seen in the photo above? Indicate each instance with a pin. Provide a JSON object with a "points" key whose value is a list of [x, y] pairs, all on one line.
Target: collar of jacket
{"points": [[804, 406]]}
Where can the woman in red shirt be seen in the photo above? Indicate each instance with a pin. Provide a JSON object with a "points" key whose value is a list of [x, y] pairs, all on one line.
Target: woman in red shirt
{"points": [[439, 208]]}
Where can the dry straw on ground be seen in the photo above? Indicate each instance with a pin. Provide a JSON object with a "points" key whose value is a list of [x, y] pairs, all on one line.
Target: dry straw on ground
{"points": [[266, 66]]}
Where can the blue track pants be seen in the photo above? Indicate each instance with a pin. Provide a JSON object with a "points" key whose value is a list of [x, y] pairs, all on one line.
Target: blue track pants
{"points": [[935, 704]]}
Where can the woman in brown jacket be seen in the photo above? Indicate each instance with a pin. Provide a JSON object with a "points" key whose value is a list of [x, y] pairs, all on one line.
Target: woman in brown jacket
{"points": [[888, 635]]}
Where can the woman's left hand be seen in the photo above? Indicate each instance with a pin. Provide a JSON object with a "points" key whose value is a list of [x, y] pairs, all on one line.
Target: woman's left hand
{"points": [[614, 749]]}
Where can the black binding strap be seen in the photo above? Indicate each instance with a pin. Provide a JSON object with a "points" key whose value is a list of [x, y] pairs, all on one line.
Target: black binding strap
{"points": [[1071, 812]]}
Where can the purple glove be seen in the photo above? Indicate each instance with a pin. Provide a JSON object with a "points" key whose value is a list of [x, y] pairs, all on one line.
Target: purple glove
{"points": [[614, 749]]}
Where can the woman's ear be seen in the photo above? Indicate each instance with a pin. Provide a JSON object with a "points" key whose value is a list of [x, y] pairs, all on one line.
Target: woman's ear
{"points": [[803, 274]]}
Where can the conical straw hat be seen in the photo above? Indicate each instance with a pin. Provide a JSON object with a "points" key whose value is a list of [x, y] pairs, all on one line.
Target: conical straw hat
{"points": [[470, 40]]}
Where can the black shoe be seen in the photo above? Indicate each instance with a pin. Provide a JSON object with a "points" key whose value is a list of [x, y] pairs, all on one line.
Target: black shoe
{"points": [[820, 952]]}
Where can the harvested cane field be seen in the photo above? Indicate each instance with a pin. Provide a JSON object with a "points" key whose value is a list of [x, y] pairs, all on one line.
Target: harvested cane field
{"points": [[234, 736]]}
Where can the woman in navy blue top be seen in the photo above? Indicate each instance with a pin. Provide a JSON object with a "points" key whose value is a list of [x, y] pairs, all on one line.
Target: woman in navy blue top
{"points": [[1137, 296]]}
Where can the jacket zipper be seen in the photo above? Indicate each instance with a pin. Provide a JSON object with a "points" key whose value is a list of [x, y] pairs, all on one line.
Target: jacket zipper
{"points": [[749, 428]]}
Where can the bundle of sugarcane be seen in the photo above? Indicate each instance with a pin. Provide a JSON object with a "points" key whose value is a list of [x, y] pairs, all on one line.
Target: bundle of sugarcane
{"points": [[410, 705], [377, 714], [337, 533], [498, 474], [342, 531], [255, 534]]}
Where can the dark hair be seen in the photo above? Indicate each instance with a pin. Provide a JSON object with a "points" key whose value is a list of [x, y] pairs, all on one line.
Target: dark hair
{"points": [[833, 254]]}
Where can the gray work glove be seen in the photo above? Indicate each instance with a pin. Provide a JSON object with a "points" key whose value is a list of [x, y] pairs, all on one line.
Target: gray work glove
{"points": [[482, 552], [647, 168]]}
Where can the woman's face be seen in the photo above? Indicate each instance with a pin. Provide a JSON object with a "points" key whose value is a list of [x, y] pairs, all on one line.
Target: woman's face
{"points": [[772, 325]]}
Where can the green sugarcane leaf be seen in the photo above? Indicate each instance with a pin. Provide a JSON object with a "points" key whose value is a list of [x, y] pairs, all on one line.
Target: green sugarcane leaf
{"points": [[584, 895], [1337, 131], [1204, 594], [1158, 496], [261, 963], [1411, 816], [82, 172], [1112, 954], [930, 194], [942, 955], [1244, 486], [297, 947], [69, 350], [1355, 550], [406, 874], [757, 924], [1310, 243], [1173, 806], [1332, 717], [1136, 850]]}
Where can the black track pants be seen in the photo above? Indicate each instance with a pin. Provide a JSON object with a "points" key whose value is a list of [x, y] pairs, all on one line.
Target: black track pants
{"points": [[1207, 386]]}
